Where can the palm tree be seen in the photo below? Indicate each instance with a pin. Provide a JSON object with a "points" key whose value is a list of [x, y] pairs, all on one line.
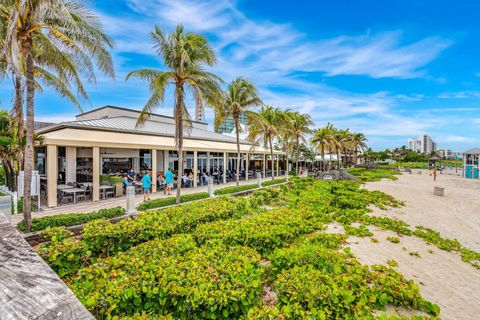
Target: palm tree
{"points": [[52, 41], [338, 140], [286, 145], [321, 139], [298, 125], [359, 142], [264, 126], [185, 55], [239, 97]]}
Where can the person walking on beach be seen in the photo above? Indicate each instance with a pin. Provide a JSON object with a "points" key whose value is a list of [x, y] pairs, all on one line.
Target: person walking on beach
{"points": [[146, 185], [169, 180]]}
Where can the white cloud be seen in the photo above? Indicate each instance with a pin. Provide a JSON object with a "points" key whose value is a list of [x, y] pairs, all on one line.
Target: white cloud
{"points": [[459, 95]]}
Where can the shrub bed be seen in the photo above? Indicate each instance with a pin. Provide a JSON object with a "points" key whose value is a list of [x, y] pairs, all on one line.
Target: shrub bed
{"points": [[267, 183], [235, 189], [71, 219], [163, 202], [103, 238], [173, 277], [368, 175]]}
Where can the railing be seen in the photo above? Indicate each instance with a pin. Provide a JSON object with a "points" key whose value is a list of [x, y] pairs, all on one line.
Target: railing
{"points": [[29, 289]]}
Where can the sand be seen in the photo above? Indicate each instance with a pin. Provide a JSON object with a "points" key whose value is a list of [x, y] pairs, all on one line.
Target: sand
{"points": [[442, 276]]}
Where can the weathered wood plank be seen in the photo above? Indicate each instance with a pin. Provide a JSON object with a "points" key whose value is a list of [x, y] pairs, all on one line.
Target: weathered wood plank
{"points": [[29, 289]]}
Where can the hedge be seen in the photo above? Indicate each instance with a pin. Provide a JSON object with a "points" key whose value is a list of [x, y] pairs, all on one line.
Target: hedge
{"points": [[163, 202], [245, 187], [71, 219], [267, 183], [235, 189]]}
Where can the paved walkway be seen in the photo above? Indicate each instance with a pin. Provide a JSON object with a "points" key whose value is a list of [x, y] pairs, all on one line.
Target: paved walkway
{"points": [[88, 206]]}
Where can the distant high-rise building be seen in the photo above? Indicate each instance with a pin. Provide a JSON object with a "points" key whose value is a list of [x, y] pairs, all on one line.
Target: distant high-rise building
{"points": [[228, 126], [424, 144]]}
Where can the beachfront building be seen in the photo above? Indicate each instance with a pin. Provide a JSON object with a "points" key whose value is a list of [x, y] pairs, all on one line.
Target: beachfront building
{"points": [[105, 142], [471, 163], [423, 144]]}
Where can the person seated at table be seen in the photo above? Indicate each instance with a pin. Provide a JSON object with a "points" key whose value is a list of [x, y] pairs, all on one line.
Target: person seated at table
{"points": [[131, 175], [185, 181], [146, 185], [204, 178], [190, 178]]}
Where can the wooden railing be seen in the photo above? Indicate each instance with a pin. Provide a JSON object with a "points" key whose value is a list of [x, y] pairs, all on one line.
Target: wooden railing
{"points": [[29, 289]]}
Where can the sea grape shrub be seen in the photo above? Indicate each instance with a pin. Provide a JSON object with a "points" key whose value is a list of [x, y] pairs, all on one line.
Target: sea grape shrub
{"points": [[103, 238], [263, 232], [64, 253], [433, 237], [173, 277]]}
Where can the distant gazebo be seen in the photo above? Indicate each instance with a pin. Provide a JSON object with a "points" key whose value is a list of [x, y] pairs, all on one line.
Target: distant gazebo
{"points": [[471, 163], [432, 161]]}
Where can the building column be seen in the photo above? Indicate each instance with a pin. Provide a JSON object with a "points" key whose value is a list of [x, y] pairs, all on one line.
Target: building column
{"points": [[195, 168], [71, 155], [166, 160], [96, 174], [278, 167], [52, 174], [264, 165], [247, 160], [154, 170], [225, 167], [208, 163]]}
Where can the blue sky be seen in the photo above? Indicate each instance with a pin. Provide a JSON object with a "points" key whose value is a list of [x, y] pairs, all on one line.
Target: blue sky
{"points": [[390, 69]]}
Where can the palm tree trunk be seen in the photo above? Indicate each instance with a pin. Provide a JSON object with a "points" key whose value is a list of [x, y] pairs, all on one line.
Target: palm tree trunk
{"points": [[271, 156], [322, 151], [298, 156], [179, 95], [238, 152], [28, 164], [338, 158]]}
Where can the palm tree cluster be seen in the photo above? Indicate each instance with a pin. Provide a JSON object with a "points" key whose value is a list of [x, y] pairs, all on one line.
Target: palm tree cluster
{"points": [[52, 43], [59, 43], [340, 142]]}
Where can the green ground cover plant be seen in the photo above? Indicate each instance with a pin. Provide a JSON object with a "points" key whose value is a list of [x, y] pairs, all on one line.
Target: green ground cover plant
{"points": [[267, 183], [393, 239], [369, 175], [213, 259], [235, 189], [71, 219], [103, 238], [163, 202], [173, 277]]}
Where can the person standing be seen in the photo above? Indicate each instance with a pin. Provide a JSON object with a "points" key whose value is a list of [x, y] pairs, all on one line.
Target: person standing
{"points": [[169, 180], [146, 185]]}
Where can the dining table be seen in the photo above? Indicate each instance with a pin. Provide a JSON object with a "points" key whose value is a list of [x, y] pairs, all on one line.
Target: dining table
{"points": [[103, 188], [73, 191]]}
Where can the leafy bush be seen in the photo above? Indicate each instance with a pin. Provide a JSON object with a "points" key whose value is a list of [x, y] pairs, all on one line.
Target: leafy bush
{"points": [[71, 219], [163, 202], [104, 238], [173, 277], [263, 232], [368, 175], [235, 189]]}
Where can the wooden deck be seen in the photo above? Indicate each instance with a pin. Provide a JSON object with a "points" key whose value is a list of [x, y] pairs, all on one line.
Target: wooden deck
{"points": [[29, 289]]}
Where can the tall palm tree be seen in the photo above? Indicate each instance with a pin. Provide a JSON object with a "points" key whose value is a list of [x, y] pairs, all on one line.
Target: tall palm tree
{"points": [[298, 125], [359, 142], [185, 55], [321, 139], [241, 95], [338, 140], [52, 41], [264, 126], [287, 145]]}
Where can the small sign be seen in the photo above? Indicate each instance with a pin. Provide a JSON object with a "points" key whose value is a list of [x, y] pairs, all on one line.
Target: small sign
{"points": [[35, 185]]}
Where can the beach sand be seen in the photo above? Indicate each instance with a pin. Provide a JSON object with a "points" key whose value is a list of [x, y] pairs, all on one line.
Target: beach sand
{"points": [[442, 276]]}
